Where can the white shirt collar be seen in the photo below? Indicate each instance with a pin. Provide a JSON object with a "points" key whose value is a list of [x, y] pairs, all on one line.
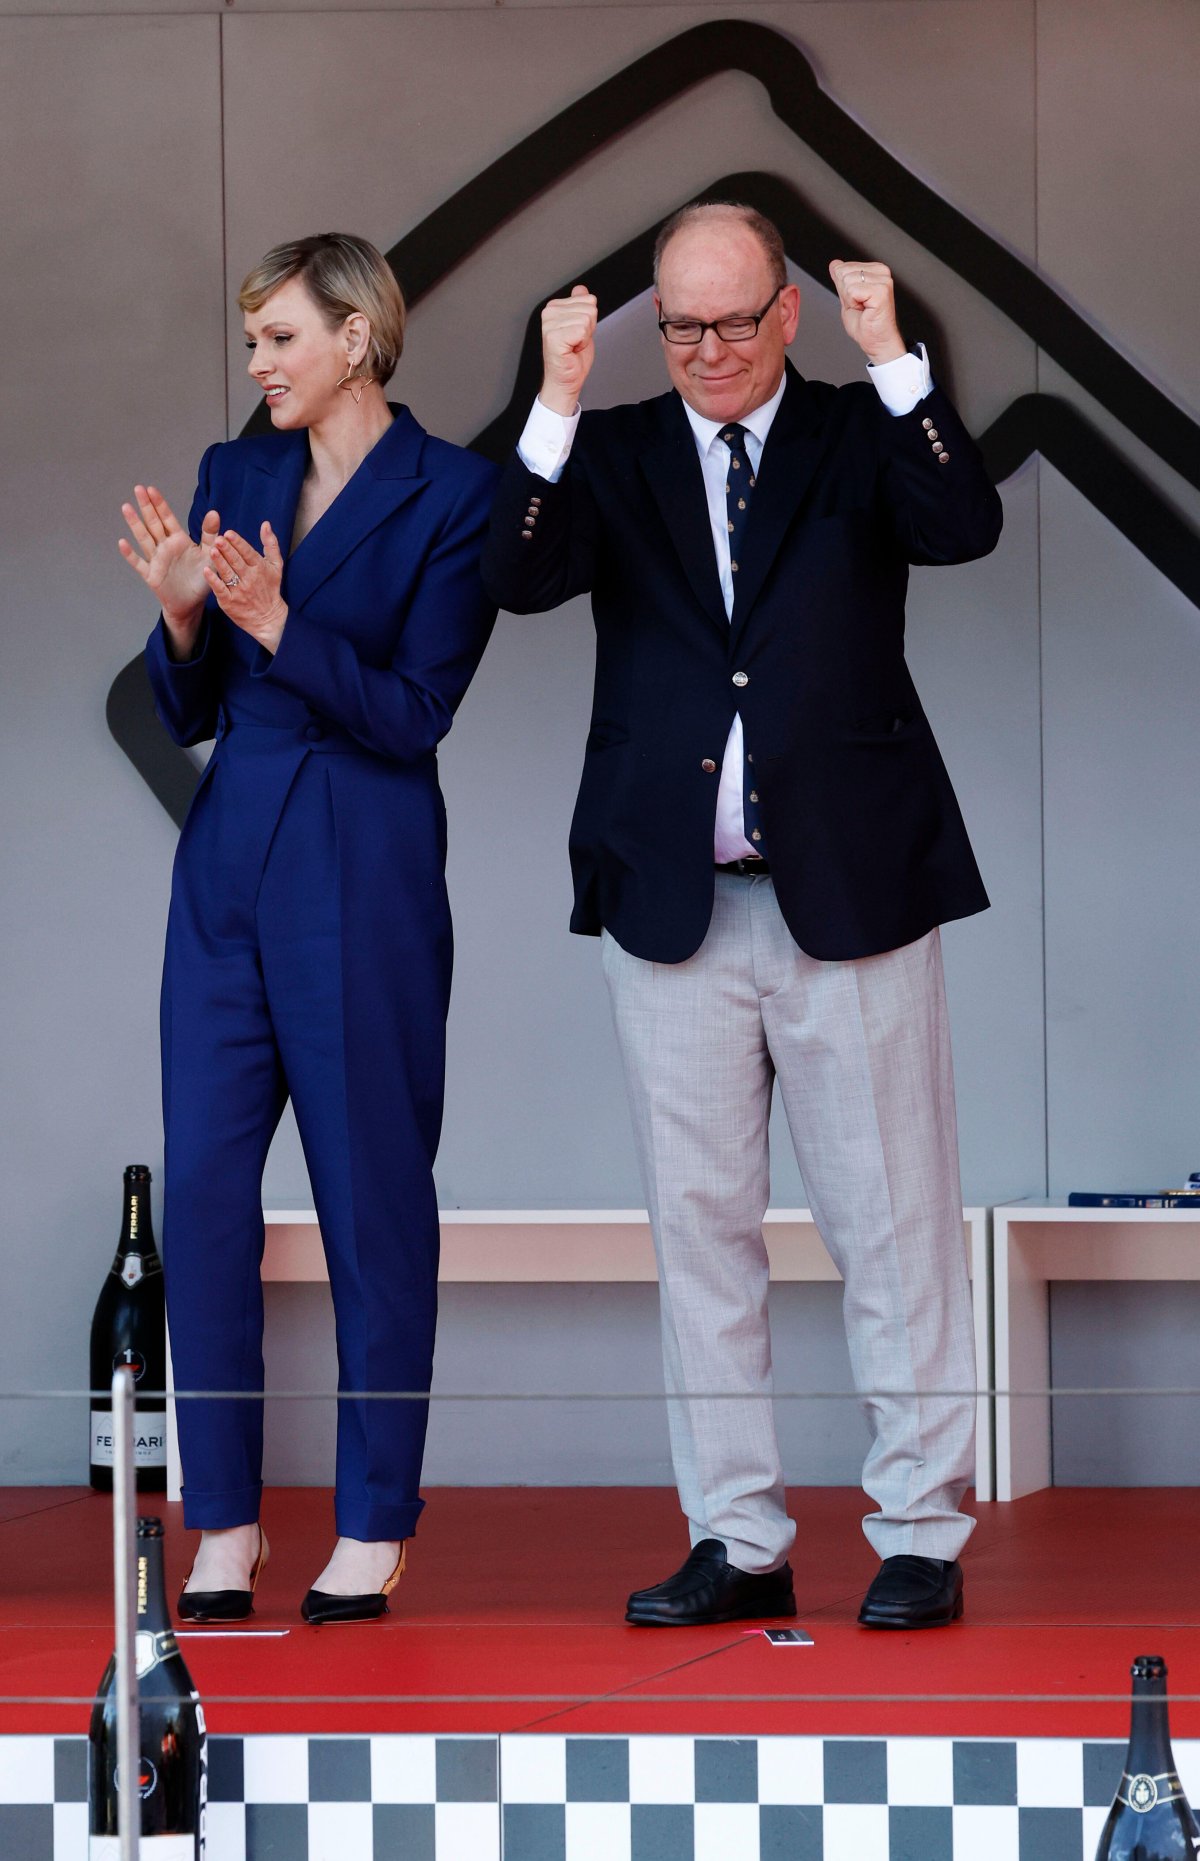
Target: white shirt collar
{"points": [[758, 422]]}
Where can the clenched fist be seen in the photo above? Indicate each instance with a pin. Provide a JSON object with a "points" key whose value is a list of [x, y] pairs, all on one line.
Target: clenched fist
{"points": [[568, 348], [868, 300]]}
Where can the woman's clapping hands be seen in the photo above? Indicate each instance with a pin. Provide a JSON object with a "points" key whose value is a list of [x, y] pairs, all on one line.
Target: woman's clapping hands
{"points": [[247, 585], [170, 564]]}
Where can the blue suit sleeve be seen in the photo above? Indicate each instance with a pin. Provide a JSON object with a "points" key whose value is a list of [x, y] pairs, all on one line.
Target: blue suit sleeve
{"points": [[187, 692], [530, 567], [940, 512], [404, 709]]}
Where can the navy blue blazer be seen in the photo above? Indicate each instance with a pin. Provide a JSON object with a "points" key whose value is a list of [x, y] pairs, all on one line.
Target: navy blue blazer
{"points": [[387, 616], [387, 621], [867, 846]]}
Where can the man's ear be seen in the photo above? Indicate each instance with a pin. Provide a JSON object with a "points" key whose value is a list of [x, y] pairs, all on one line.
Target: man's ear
{"points": [[789, 310]]}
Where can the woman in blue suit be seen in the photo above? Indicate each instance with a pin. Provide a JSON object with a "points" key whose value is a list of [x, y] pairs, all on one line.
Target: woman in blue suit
{"points": [[322, 616]]}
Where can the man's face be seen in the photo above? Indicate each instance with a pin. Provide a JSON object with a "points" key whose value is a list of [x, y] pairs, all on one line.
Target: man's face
{"points": [[714, 269]]}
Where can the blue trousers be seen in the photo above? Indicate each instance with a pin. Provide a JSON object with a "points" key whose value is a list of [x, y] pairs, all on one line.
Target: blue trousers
{"points": [[304, 958]]}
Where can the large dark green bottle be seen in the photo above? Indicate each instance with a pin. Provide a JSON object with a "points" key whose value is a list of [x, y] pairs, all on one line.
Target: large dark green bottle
{"points": [[1151, 1818], [172, 1779], [129, 1326]]}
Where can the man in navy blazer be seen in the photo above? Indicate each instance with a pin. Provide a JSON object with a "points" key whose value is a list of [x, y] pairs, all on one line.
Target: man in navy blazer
{"points": [[767, 841]]}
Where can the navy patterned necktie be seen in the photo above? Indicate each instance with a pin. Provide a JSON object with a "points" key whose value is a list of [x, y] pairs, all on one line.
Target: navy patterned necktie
{"points": [[739, 484]]}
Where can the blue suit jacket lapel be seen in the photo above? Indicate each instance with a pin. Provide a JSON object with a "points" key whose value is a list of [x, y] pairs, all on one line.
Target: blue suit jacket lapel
{"points": [[273, 494], [797, 439], [387, 478], [795, 443], [671, 466]]}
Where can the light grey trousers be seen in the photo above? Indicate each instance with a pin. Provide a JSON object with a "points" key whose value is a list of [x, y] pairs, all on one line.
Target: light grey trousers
{"points": [[861, 1050]]}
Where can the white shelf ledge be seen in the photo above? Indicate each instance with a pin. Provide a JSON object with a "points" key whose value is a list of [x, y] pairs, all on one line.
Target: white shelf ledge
{"points": [[1034, 1244]]}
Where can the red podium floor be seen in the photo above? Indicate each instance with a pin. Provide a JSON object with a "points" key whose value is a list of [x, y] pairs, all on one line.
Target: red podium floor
{"points": [[510, 1620]]}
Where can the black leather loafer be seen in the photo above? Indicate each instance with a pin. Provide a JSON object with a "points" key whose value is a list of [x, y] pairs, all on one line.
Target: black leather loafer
{"points": [[323, 1606], [707, 1588], [914, 1592]]}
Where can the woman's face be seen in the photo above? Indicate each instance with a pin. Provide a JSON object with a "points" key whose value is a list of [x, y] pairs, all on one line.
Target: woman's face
{"points": [[296, 359]]}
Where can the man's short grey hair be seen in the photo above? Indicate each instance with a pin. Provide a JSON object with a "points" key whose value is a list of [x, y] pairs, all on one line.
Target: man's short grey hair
{"points": [[764, 230]]}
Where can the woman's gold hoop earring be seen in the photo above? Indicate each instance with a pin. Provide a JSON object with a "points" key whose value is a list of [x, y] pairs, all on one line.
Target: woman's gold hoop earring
{"points": [[354, 383]]}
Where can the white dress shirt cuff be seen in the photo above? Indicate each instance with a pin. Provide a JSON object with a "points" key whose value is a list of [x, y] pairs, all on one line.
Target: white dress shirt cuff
{"points": [[902, 384], [545, 445]]}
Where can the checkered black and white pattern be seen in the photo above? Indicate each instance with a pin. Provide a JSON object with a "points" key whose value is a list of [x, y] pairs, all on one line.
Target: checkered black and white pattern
{"points": [[804, 1799], [545, 1798]]}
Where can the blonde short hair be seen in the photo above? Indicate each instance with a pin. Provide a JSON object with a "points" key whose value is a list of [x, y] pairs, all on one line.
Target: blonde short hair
{"points": [[342, 274]]}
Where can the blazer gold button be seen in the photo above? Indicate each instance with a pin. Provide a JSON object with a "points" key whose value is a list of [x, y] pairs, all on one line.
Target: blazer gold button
{"points": [[927, 424], [933, 432], [535, 500], [938, 446], [943, 458], [708, 765], [740, 679], [526, 534]]}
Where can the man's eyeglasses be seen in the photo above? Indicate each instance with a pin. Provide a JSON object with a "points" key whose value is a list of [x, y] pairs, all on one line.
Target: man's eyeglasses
{"points": [[728, 329]]}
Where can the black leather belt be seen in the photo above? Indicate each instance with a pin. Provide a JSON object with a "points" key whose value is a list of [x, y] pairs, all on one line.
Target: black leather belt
{"points": [[746, 868]]}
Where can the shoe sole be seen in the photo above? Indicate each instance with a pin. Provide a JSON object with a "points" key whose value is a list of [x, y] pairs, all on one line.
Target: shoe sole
{"points": [[639, 1619]]}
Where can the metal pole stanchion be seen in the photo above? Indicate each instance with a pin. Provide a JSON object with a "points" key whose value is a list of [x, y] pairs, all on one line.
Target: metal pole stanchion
{"points": [[125, 1595]]}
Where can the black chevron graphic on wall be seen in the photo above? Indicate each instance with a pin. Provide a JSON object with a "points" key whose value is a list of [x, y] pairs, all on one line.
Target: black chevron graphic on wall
{"points": [[1034, 423]]}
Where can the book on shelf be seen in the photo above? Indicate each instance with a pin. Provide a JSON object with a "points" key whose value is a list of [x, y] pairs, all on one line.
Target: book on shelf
{"points": [[1151, 1198]]}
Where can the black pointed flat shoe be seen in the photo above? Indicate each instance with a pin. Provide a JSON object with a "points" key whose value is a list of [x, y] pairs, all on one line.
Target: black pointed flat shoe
{"points": [[322, 1606], [223, 1605]]}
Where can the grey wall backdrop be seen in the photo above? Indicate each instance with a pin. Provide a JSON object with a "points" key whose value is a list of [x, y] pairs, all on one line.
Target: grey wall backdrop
{"points": [[149, 152]]}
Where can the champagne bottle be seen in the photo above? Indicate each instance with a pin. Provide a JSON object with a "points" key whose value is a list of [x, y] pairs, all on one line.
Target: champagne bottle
{"points": [[172, 1779], [1151, 1819], [129, 1327]]}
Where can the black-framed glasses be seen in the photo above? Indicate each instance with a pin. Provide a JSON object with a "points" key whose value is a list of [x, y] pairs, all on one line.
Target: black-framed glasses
{"points": [[728, 329]]}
